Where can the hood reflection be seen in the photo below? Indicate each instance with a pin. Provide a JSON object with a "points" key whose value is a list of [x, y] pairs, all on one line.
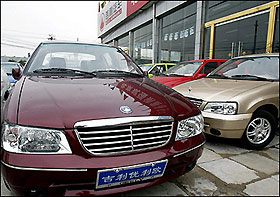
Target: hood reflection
{"points": [[135, 90]]}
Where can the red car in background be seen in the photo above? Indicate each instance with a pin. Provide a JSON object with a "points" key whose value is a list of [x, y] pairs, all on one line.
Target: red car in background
{"points": [[187, 71]]}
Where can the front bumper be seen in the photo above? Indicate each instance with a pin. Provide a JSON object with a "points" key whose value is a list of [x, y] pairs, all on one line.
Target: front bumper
{"points": [[75, 174], [229, 126]]}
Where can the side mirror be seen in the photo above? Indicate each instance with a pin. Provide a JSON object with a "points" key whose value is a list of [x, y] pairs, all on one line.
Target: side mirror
{"points": [[16, 73], [199, 76]]}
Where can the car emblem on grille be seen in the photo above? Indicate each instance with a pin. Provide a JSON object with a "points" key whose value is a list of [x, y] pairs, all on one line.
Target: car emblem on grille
{"points": [[125, 109]]}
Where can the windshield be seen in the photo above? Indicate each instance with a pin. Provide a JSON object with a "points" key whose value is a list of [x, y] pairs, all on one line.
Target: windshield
{"points": [[249, 68], [7, 67], [186, 69], [145, 67], [84, 58]]}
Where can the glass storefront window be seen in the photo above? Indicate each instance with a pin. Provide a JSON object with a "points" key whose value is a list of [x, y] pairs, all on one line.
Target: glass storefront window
{"points": [[124, 41], [275, 47], [143, 51], [178, 35], [219, 9], [245, 36]]}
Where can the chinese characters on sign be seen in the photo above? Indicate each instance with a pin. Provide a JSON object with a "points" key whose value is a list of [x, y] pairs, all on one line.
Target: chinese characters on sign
{"points": [[144, 44], [132, 175], [114, 11], [182, 34]]}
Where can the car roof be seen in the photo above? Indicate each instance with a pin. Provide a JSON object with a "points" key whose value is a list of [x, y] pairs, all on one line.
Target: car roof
{"points": [[202, 60], [259, 55], [160, 63], [75, 42]]}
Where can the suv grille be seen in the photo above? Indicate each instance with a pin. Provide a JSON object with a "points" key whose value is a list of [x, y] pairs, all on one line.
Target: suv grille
{"points": [[197, 102], [122, 135]]}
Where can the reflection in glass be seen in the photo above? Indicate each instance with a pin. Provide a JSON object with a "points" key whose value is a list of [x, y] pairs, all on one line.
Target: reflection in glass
{"points": [[60, 58], [146, 67], [242, 37], [187, 69], [219, 9], [7, 67], [250, 68], [124, 41], [177, 35], [142, 53]]}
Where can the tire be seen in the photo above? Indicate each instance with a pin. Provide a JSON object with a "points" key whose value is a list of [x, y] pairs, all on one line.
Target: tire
{"points": [[260, 130]]}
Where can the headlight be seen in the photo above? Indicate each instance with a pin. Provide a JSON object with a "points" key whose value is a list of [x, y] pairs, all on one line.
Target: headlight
{"points": [[19, 139], [189, 127], [229, 108]]}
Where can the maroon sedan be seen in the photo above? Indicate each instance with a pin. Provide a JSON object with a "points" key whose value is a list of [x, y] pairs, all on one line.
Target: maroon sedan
{"points": [[84, 119], [187, 71]]}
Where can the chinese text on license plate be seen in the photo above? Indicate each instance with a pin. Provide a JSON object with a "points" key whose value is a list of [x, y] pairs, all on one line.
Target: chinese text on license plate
{"points": [[129, 174]]}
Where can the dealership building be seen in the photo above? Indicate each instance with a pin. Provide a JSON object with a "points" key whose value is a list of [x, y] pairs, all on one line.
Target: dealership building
{"points": [[173, 31]]}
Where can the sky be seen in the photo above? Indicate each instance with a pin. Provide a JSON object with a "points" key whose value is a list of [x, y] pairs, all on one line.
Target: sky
{"points": [[24, 24]]}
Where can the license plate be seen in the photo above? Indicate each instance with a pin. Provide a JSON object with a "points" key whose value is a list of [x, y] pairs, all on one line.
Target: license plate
{"points": [[129, 174]]}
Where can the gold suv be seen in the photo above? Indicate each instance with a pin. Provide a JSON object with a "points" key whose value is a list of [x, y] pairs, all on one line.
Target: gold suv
{"points": [[239, 99]]}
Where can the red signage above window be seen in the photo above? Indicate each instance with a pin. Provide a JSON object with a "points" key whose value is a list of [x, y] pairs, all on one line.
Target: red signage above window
{"points": [[133, 6]]}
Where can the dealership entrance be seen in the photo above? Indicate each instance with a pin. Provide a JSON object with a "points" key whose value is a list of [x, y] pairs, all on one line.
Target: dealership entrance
{"points": [[251, 31]]}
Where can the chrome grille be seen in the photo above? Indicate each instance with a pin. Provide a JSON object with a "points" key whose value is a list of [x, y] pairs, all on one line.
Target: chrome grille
{"points": [[122, 135], [197, 102]]}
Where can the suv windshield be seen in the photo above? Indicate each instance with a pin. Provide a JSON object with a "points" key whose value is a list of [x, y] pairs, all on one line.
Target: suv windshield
{"points": [[256, 68], [75, 58], [187, 69], [7, 67], [145, 67]]}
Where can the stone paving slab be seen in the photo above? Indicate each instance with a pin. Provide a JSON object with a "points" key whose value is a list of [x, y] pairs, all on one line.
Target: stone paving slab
{"points": [[272, 153], [165, 189], [197, 184], [257, 162], [265, 187], [274, 142], [276, 177], [208, 155], [229, 171], [223, 148]]}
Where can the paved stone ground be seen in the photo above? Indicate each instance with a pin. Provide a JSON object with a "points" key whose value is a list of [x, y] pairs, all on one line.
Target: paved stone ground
{"points": [[224, 169]]}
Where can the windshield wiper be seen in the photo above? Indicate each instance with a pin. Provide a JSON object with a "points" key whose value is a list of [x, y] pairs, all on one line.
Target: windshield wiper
{"points": [[62, 70], [118, 72], [218, 76], [252, 76]]}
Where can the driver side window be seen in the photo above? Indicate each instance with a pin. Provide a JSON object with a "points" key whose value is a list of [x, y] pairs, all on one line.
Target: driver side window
{"points": [[209, 67], [157, 70]]}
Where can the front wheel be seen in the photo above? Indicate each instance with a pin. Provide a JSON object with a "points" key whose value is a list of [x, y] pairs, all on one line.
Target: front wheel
{"points": [[260, 130]]}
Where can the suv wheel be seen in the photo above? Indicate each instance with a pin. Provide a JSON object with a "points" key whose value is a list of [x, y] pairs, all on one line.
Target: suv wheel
{"points": [[260, 130]]}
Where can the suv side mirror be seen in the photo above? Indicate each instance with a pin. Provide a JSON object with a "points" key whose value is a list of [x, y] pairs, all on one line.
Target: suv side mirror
{"points": [[16, 73]]}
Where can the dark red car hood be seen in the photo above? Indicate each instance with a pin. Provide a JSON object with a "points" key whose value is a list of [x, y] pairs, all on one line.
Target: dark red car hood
{"points": [[172, 81], [61, 102]]}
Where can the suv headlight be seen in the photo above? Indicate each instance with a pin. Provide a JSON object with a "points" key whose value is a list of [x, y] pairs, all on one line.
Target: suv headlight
{"points": [[190, 127], [21, 139], [226, 108]]}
